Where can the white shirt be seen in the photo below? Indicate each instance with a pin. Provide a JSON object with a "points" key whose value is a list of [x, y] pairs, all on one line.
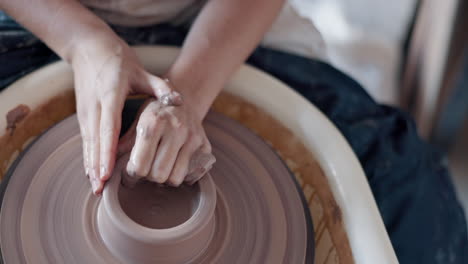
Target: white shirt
{"points": [[141, 12], [290, 32]]}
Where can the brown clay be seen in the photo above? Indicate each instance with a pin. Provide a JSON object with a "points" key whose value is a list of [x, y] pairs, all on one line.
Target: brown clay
{"points": [[50, 216], [15, 115], [156, 206], [149, 223]]}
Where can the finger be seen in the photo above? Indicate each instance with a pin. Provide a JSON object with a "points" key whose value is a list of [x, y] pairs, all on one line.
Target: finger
{"points": [[171, 99], [151, 84], [85, 154], [166, 156], [206, 146], [148, 134], [92, 147], [110, 123], [82, 114], [181, 165]]}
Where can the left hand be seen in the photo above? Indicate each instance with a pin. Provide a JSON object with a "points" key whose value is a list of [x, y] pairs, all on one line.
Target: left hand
{"points": [[169, 145]]}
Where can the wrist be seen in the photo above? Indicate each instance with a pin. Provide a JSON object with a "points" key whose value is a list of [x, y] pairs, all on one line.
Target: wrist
{"points": [[197, 101], [197, 95], [93, 46]]}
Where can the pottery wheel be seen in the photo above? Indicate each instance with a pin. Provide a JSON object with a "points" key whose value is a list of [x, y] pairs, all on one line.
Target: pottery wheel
{"points": [[48, 213]]}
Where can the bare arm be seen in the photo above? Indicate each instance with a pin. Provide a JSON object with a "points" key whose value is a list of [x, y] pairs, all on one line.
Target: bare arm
{"points": [[106, 70], [220, 40], [223, 35], [61, 24]]}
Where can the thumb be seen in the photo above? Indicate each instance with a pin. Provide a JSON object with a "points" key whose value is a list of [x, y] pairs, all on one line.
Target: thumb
{"points": [[154, 85]]}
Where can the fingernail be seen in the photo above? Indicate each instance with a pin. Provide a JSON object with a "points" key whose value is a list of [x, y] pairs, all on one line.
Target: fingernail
{"points": [[173, 183], [103, 172], [94, 185], [129, 169]]}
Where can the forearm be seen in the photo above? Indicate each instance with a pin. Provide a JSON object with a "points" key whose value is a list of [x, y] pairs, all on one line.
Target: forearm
{"points": [[63, 25], [220, 40]]}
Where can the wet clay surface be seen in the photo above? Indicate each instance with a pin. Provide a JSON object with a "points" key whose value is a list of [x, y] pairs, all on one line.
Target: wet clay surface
{"points": [[331, 238], [156, 206], [49, 214], [33, 124], [15, 116]]}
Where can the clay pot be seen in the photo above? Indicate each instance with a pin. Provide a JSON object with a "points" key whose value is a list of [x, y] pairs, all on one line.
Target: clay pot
{"points": [[149, 223]]}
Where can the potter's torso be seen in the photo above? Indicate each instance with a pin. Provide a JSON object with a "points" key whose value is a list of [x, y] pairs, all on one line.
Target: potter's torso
{"points": [[291, 32], [141, 12]]}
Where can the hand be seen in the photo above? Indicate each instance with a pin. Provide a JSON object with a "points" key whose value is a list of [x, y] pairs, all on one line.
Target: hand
{"points": [[105, 73], [169, 145]]}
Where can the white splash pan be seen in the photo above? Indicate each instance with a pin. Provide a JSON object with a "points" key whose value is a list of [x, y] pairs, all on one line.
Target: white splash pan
{"points": [[368, 238]]}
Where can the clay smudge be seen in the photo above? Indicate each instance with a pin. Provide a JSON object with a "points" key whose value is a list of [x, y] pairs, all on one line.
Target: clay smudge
{"points": [[16, 115], [335, 212]]}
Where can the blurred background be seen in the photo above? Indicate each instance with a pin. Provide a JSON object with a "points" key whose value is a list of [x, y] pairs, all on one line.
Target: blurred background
{"points": [[412, 54]]}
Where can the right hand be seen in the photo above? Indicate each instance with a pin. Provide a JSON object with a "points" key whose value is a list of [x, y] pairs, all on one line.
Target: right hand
{"points": [[105, 72], [168, 145]]}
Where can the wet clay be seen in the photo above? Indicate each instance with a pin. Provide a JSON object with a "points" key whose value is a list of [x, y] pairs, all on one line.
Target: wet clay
{"points": [[15, 116], [248, 210], [156, 206], [150, 228]]}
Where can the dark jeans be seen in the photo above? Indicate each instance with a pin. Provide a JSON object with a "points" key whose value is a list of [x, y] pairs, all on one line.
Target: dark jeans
{"points": [[408, 177]]}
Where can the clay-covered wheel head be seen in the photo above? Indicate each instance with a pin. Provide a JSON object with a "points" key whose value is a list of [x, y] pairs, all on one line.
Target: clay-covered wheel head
{"points": [[151, 223]]}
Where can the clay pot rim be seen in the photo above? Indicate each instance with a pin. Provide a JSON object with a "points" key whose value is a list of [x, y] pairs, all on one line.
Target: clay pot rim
{"points": [[189, 228]]}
